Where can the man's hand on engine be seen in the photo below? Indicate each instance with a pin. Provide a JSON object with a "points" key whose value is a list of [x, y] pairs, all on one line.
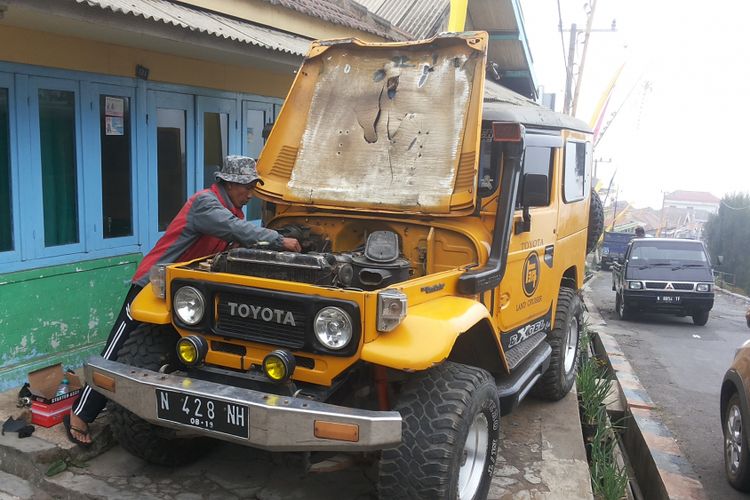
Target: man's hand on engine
{"points": [[291, 244]]}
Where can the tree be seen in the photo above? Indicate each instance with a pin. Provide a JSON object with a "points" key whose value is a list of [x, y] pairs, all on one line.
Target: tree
{"points": [[727, 233]]}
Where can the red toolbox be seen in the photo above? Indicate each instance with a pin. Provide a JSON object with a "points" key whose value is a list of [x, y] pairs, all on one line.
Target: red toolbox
{"points": [[47, 409]]}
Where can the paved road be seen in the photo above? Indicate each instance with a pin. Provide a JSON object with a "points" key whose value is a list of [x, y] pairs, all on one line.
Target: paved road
{"points": [[682, 366]]}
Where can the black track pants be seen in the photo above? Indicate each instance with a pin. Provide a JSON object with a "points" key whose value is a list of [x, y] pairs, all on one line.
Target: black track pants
{"points": [[90, 402]]}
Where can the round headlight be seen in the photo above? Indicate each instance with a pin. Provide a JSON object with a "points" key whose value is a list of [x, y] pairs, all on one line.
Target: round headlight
{"points": [[189, 305], [333, 327]]}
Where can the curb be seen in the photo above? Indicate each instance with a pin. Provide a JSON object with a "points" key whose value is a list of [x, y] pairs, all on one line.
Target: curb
{"points": [[661, 470], [733, 294]]}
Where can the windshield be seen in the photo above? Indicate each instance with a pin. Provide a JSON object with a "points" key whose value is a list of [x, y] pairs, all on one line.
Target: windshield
{"points": [[618, 237], [668, 253]]}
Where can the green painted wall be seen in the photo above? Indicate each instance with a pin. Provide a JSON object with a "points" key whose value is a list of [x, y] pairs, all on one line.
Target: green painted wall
{"points": [[60, 314]]}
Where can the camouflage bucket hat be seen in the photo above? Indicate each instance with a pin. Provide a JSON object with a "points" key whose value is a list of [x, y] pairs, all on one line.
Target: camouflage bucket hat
{"points": [[239, 169]]}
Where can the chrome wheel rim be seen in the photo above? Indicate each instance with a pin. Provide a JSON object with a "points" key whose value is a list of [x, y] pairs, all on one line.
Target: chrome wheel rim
{"points": [[571, 344], [473, 458], [733, 439]]}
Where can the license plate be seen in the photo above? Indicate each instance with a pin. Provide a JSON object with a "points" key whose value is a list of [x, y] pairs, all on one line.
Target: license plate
{"points": [[204, 413], [668, 299]]}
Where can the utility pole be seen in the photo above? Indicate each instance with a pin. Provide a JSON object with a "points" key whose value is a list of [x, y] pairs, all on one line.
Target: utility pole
{"points": [[571, 100], [569, 76], [589, 22]]}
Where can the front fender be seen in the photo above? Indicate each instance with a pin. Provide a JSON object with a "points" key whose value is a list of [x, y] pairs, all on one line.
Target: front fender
{"points": [[426, 336], [148, 308]]}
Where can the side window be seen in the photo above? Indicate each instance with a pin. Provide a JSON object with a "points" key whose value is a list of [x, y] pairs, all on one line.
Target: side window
{"points": [[115, 131], [255, 115], [57, 138], [576, 178], [215, 144], [171, 162], [536, 160], [6, 215], [487, 162]]}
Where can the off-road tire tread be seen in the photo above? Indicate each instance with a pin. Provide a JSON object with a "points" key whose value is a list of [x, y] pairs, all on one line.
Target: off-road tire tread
{"points": [[432, 405], [596, 222], [151, 347], [553, 386]]}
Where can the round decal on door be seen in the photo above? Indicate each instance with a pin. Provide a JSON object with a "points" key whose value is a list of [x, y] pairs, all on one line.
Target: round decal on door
{"points": [[531, 272]]}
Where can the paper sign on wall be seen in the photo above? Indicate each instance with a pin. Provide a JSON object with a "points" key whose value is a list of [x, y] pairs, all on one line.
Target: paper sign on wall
{"points": [[114, 111], [114, 106]]}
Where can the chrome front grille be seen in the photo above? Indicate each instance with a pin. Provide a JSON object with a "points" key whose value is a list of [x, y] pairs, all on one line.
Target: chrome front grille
{"points": [[662, 285], [655, 285], [683, 286]]}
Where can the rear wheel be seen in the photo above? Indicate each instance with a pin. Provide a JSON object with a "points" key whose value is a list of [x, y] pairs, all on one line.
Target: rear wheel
{"points": [[564, 338], [151, 347], [736, 457], [451, 428], [700, 318]]}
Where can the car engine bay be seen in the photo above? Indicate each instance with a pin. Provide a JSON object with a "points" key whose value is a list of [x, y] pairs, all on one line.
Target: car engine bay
{"points": [[376, 264]]}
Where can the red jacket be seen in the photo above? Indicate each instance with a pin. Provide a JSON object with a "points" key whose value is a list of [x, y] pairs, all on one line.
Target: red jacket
{"points": [[206, 224]]}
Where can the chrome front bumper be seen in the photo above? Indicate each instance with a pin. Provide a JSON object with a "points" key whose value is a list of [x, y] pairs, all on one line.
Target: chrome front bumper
{"points": [[277, 423]]}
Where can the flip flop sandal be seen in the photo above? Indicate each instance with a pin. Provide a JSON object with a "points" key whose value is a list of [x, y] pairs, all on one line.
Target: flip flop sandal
{"points": [[69, 429]]}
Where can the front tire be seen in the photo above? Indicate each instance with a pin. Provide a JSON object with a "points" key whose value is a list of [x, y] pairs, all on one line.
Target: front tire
{"points": [[736, 457], [623, 310], [700, 318], [564, 339], [151, 347], [450, 436]]}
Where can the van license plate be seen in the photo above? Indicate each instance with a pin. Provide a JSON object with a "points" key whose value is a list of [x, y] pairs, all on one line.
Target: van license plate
{"points": [[668, 299], [204, 413]]}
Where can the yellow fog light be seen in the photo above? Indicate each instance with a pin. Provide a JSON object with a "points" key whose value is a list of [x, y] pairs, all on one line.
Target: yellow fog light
{"points": [[192, 350], [279, 365]]}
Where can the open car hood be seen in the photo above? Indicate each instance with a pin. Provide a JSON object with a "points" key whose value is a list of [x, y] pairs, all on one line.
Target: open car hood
{"points": [[391, 127]]}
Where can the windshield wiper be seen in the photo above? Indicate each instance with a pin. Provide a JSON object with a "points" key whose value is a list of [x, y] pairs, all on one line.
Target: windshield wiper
{"points": [[683, 266]]}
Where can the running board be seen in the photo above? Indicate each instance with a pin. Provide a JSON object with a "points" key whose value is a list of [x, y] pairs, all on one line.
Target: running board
{"points": [[514, 387], [518, 354]]}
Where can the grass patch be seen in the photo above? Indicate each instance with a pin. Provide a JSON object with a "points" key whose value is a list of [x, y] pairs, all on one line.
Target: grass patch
{"points": [[609, 480]]}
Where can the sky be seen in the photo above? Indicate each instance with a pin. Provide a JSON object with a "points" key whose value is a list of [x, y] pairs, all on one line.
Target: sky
{"points": [[683, 97]]}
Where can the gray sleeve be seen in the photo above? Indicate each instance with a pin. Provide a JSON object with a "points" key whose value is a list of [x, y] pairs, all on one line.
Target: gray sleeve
{"points": [[208, 216]]}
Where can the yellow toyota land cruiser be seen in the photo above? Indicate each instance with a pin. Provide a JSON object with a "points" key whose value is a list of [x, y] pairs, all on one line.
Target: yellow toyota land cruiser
{"points": [[444, 237]]}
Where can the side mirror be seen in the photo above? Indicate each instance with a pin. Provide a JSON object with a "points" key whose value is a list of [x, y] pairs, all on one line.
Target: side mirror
{"points": [[719, 260], [535, 191]]}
